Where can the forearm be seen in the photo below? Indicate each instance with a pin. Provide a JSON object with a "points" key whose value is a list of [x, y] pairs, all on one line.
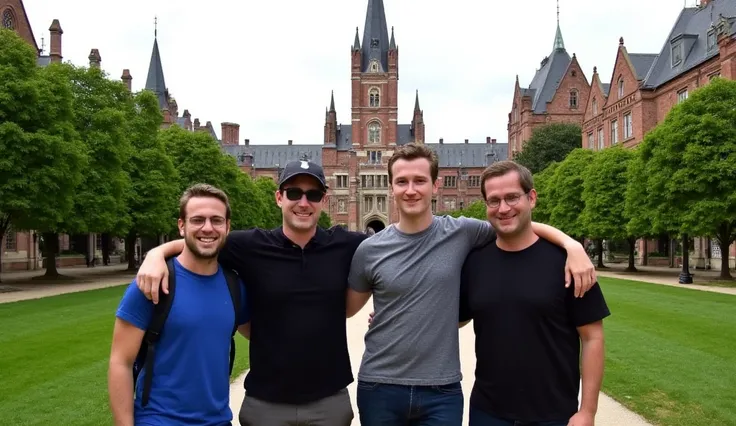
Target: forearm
{"points": [[120, 388], [552, 234], [170, 249], [592, 374]]}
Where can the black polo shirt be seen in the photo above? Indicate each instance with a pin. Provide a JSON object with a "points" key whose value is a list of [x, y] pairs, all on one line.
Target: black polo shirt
{"points": [[526, 341], [298, 345]]}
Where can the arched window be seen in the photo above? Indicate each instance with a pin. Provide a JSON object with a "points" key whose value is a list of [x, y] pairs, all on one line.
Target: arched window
{"points": [[573, 98], [374, 97], [8, 19], [595, 106], [374, 133], [620, 88]]}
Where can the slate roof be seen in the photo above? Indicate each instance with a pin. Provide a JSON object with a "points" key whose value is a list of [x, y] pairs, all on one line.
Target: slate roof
{"points": [[691, 28], [606, 88], [375, 35], [642, 63], [43, 61], [155, 81], [547, 79], [469, 154], [345, 136]]}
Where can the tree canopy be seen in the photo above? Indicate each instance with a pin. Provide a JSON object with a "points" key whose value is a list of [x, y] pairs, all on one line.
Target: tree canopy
{"points": [[549, 143]]}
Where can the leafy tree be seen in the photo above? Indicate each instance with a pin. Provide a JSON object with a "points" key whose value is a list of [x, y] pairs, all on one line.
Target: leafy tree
{"points": [[476, 210], [267, 188], [549, 143], [604, 196], [544, 185], [690, 162], [568, 189], [324, 220], [154, 195], [41, 154]]}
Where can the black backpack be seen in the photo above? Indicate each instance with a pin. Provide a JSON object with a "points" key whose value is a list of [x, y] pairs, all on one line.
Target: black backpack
{"points": [[147, 352]]}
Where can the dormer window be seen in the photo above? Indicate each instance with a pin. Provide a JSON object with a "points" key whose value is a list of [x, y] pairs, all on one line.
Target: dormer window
{"points": [[712, 40], [676, 53], [374, 66]]}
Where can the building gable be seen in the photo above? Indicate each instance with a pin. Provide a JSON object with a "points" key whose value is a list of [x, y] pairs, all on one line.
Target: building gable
{"points": [[13, 16], [571, 91]]}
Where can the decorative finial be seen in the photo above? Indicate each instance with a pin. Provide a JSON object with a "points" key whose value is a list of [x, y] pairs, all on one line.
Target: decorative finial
{"points": [[595, 70], [621, 41], [43, 45], [558, 12], [155, 26]]}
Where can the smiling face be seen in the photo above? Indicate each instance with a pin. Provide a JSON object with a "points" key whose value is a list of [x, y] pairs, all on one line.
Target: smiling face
{"points": [[205, 226], [412, 187], [508, 206], [300, 199]]}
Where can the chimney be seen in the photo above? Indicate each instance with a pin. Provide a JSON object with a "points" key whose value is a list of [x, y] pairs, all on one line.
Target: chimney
{"points": [[196, 124], [290, 141], [230, 133], [247, 142], [186, 114], [488, 139], [442, 141], [127, 79], [55, 48], [493, 141], [466, 141]]}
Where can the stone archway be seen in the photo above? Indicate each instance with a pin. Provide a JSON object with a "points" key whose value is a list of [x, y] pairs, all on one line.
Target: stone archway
{"points": [[374, 225]]}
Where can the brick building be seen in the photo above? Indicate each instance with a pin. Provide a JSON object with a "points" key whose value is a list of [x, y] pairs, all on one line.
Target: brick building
{"points": [[355, 155], [644, 87], [556, 94]]}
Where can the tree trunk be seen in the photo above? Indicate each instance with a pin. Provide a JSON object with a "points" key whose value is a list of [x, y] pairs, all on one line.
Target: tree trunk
{"points": [[4, 226], [599, 247], [130, 250], [724, 235], [632, 246], [51, 247]]}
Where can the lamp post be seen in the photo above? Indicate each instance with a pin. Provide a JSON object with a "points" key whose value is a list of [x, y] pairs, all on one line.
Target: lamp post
{"points": [[685, 276]]}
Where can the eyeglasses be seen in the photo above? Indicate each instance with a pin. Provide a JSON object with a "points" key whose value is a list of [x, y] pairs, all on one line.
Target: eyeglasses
{"points": [[511, 200], [199, 221], [313, 195]]}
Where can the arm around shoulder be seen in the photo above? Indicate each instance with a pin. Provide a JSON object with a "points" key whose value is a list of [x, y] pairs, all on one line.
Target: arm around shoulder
{"points": [[153, 273]]}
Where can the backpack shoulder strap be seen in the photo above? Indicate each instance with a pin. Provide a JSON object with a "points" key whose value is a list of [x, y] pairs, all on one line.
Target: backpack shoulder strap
{"points": [[153, 333], [234, 286]]}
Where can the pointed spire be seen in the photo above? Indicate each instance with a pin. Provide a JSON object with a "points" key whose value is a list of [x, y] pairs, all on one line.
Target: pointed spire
{"points": [[155, 26], [375, 36], [392, 45], [559, 43], [155, 81], [332, 101], [416, 102], [356, 43]]}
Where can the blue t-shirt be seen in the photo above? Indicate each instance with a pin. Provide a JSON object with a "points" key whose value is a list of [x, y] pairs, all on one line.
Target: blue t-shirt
{"points": [[191, 378]]}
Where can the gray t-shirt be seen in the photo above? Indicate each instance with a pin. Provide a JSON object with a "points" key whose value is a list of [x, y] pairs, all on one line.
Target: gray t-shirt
{"points": [[415, 280]]}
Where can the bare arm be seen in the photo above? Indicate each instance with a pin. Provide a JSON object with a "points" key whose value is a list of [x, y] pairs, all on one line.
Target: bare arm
{"points": [[126, 341], [355, 301], [578, 269], [591, 336], [153, 270], [245, 330]]}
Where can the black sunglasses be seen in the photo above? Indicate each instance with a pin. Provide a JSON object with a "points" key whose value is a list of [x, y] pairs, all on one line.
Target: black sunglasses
{"points": [[313, 195]]}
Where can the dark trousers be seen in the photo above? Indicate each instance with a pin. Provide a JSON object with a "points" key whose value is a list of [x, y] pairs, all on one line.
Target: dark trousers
{"points": [[398, 405], [335, 410], [481, 418]]}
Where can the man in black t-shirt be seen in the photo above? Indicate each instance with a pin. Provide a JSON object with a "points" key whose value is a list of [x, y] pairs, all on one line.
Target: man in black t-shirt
{"points": [[528, 326]]}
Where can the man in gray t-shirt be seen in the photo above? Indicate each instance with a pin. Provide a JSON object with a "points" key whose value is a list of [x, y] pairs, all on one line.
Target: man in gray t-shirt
{"points": [[411, 366]]}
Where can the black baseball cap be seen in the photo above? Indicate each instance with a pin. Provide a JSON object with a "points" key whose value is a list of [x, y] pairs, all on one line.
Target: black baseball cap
{"points": [[303, 167]]}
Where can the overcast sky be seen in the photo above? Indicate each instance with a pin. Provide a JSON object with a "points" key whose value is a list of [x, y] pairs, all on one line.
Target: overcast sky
{"points": [[270, 65]]}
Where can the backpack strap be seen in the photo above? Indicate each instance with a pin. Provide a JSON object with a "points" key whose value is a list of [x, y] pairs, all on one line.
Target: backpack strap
{"points": [[153, 333], [233, 285]]}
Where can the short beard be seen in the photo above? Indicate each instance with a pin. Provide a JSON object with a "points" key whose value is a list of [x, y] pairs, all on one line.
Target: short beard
{"points": [[192, 246]]}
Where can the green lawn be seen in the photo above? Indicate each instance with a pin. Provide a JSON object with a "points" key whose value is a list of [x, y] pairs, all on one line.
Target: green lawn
{"points": [[53, 359], [671, 353]]}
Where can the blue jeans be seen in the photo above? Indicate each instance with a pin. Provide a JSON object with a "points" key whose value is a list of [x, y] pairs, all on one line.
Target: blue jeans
{"points": [[398, 405], [481, 418]]}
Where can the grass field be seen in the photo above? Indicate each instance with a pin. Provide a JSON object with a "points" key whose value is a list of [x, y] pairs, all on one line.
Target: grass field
{"points": [[671, 353], [53, 359]]}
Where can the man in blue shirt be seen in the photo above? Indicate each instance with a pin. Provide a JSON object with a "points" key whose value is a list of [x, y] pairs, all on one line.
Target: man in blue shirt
{"points": [[191, 380]]}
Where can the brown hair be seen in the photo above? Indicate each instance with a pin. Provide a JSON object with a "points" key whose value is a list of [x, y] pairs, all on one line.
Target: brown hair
{"points": [[502, 168], [414, 151], [202, 190]]}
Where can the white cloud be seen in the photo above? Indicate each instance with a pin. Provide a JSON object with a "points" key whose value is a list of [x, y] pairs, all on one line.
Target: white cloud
{"points": [[270, 65]]}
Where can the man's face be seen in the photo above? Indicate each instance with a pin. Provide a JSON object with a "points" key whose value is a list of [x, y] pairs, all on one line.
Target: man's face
{"points": [[300, 200], [205, 227], [508, 208], [412, 186]]}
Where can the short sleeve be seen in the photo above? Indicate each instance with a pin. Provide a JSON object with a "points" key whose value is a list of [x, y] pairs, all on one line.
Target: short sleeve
{"points": [[465, 313], [358, 278], [244, 305], [135, 308], [588, 309], [234, 251], [479, 232]]}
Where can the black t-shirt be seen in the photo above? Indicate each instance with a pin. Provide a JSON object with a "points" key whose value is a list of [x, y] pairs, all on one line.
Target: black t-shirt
{"points": [[526, 341], [298, 344]]}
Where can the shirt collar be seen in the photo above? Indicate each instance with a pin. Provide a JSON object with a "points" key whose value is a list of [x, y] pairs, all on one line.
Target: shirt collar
{"points": [[319, 237]]}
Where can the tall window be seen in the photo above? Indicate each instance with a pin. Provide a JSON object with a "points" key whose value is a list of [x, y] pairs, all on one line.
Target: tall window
{"points": [[381, 203], [595, 106], [591, 141], [374, 133], [676, 54], [8, 19], [450, 181], [374, 97], [628, 126], [620, 88], [342, 205], [342, 181], [681, 95], [367, 203], [614, 132], [374, 157], [573, 98], [10, 241], [600, 138], [474, 181]]}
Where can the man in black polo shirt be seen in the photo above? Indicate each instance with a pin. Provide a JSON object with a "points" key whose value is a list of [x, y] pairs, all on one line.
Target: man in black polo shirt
{"points": [[296, 277], [528, 326]]}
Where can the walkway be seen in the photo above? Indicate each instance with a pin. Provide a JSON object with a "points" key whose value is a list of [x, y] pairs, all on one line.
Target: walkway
{"points": [[667, 276], [610, 412]]}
